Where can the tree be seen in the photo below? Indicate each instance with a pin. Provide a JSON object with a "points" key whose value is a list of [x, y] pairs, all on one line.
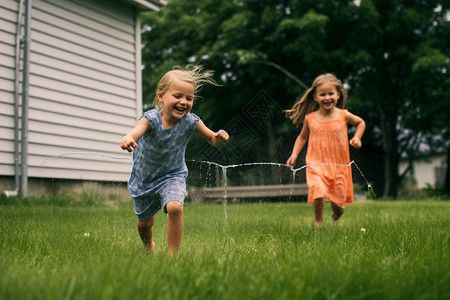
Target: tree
{"points": [[393, 55], [406, 78]]}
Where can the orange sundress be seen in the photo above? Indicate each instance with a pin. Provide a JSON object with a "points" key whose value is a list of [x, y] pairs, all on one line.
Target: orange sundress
{"points": [[328, 172]]}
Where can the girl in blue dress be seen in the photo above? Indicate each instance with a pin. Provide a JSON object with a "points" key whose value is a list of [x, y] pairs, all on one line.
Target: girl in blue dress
{"points": [[158, 176]]}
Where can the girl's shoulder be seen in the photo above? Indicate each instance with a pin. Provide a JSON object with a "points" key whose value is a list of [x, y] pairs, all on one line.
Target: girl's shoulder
{"points": [[192, 118], [310, 115], [352, 118], [153, 116], [343, 112], [346, 114], [152, 113]]}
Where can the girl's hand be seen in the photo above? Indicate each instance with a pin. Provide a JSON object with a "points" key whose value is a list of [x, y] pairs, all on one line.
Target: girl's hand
{"points": [[291, 161], [128, 143], [356, 142], [219, 138]]}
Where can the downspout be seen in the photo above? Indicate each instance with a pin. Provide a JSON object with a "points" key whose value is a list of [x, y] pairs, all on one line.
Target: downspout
{"points": [[138, 59], [15, 192], [23, 190]]}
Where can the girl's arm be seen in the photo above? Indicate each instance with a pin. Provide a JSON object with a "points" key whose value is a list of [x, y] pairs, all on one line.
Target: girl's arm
{"points": [[129, 142], [300, 142], [213, 138], [360, 127]]}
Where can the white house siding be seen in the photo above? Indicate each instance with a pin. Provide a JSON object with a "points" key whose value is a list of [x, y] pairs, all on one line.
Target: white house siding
{"points": [[427, 170], [8, 17], [84, 92]]}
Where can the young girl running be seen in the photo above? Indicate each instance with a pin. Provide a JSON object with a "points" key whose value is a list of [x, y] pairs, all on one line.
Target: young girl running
{"points": [[328, 175], [158, 176]]}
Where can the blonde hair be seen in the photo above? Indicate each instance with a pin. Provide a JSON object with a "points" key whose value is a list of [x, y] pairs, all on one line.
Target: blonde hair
{"points": [[307, 104], [192, 74]]}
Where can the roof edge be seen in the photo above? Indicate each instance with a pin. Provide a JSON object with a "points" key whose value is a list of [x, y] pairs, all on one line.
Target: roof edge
{"points": [[154, 5]]}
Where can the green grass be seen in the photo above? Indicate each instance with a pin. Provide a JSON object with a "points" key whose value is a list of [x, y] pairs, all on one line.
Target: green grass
{"points": [[261, 251]]}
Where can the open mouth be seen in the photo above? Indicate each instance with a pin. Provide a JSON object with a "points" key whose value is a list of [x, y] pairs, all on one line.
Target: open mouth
{"points": [[180, 109]]}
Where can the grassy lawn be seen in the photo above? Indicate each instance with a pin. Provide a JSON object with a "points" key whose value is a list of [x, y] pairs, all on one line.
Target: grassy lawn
{"points": [[57, 249]]}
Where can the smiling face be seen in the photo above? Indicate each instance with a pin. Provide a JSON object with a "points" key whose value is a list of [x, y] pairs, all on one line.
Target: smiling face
{"points": [[176, 102], [327, 96]]}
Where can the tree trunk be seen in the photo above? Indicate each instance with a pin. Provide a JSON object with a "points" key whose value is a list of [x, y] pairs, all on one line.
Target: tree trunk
{"points": [[391, 175], [391, 157], [272, 151]]}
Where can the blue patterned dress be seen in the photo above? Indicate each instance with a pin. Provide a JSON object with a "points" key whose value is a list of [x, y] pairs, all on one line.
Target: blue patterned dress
{"points": [[159, 169]]}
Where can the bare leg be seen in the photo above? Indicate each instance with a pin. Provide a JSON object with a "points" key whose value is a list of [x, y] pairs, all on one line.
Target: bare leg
{"points": [[174, 226], [145, 229], [318, 211], [337, 211]]}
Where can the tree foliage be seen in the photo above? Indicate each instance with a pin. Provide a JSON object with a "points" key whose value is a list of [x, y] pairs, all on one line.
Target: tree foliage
{"points": [[392, 54]]}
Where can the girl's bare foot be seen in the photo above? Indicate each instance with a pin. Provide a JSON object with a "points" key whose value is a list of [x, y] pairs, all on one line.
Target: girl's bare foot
{"points": [[152, 247], [337, 212]]}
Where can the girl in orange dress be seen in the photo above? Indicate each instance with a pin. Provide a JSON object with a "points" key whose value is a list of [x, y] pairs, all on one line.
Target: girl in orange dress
{"points": [[328, 174]]}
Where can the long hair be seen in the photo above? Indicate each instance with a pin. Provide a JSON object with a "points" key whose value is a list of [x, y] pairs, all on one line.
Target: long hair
{"points": [[307, 104], [192, 74]]}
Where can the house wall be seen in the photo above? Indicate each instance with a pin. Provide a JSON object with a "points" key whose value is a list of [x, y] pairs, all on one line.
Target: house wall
{"points": [[427, 170], [85, 88]]}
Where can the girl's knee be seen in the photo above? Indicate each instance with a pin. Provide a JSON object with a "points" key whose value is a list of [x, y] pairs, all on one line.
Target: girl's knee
{"points": [[146, 223], [337, 208], [174, 208], [319, 202]]}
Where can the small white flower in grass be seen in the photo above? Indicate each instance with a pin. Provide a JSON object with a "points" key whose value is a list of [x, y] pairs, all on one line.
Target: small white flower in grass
{"points": [[86, 234], [363, 230]]}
